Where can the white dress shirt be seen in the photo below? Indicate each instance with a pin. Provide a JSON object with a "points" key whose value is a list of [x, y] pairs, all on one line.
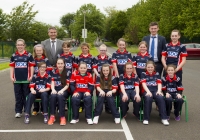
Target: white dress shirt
{"points": [[155, 57]]}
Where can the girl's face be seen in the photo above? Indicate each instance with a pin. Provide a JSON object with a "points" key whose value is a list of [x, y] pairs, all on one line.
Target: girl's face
{"points": [[175, 36], [39, 51], [102, 51], [60, 64], [129, 69], [42, 68], [105, 71], [150, 68], [66, 49], [170, 71], [142, 48], [20, 46], [85, 49], [82, 68], [121, 45]]}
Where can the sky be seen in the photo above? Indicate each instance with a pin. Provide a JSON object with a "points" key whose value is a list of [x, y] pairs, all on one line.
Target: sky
{"points": [[50, 11]]}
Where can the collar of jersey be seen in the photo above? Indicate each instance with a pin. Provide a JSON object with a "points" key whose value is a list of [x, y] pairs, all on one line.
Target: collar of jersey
{"points": [[99, 57], [45, 75], [25, 52], [70, 54], [125, 51], [126, 76], [178, 44], [169, 79], [146, 54], [43, 57], [89, 55], [147, 73]]}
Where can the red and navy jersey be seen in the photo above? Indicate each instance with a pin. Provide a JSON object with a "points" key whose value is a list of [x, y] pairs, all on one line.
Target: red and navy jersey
{"points": [[55, 77], [114, 83], [151, 80], [70, 62], [79, 83], [174, 53], [172, 85], [139, 62], [89, 60], [99, 61], [40, 82], [21, 64], [129, 82], [121, 58], [42, 59]]}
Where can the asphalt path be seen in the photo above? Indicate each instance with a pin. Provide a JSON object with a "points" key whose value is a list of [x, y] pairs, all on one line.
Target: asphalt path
{"points": [[12, 128]]}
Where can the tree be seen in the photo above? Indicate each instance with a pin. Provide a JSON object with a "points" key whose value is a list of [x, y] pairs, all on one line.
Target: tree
{"points": [[2, 25], [61, 32], [20, 21]]}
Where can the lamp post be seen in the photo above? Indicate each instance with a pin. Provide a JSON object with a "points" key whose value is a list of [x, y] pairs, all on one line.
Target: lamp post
{"points": [[84, 25]]}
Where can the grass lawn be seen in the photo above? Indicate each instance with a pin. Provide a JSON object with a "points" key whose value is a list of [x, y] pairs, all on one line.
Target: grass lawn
{"points": [[93, 51], [4, 65], [131, 49]]}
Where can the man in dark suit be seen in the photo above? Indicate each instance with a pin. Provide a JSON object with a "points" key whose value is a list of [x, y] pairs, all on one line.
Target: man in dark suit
{"points": [[156, 45], [52, 46]]}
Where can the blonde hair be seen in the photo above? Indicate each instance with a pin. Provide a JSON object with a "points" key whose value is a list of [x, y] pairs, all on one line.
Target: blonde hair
{"points": [[103, 46], [121, 39], [22, 40], [41, 46]]}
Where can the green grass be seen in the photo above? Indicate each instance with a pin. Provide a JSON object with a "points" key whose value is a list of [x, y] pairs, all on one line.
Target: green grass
{"points": [[131, 49], [4, 65], [93, 51]]}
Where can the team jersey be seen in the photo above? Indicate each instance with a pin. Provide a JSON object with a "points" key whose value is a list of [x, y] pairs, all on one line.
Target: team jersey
{"points": [[42, 59], [129, 82], [55, 77], [89, 60], [121, 58], [40, 82], [99, 61], [172, 85], [151, 80], [139, 62], [79, 83], [21, 64], [69, 62], [174, 53], [114, 83]]}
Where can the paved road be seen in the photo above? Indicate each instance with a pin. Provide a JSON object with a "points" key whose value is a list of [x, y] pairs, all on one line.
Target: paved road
{"points": [[154, 131]]}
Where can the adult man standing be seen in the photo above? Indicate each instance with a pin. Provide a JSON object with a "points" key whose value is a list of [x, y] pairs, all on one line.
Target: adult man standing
{"points": [[52, 46], [156, 45]]}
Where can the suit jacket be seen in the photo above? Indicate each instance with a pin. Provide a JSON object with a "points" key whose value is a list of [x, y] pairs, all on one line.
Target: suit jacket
{"points": [[160, 47], [47, 46]]}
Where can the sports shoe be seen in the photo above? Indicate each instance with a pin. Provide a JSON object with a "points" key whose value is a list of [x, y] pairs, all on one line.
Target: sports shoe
{"points": [[145, 122], [74, 121], [34, 113], [63, 121], [45, 119], [80, 109], [165, 122], [51, 120], [89, 121], [117, 120], [18, 115], [178, 118], [96, 119], [26, 119]]}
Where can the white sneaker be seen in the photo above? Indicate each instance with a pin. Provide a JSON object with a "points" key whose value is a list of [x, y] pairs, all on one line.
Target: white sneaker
{"points": [[165, 122], [145, 122], [89, 121], [117, 120], [18, 115], [96, 119], [74, 121]]}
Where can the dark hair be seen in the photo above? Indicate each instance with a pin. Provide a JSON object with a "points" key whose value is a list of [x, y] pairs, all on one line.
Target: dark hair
{"points": [[52, 27], [63, 76], [41, 63], [66, 43], [171, 65], [143, 42], [127, 63], [82, 63], [153, 24], [102, 78], [150, 62], [85, 44], [175, 30]]}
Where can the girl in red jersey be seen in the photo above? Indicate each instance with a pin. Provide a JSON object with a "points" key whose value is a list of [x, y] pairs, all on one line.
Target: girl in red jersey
{"points": [[81, 83]]}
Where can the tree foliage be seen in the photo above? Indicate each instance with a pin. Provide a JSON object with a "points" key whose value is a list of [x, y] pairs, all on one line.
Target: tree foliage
{"points": [[2, 25], [66, 20]]}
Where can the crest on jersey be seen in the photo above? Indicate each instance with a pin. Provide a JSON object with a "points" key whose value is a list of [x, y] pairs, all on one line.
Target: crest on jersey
{"points": [[81, 86], [141, 65], [57, 83], [121, 61], [151, 83], [171, 89], [38, 87], [68, 65], [172, 54], [128, 86], [21, 65], [89, 66]]}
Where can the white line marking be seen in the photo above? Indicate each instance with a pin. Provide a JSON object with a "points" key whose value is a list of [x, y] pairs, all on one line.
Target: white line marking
{"points": [[65, 130], [126, 130]]}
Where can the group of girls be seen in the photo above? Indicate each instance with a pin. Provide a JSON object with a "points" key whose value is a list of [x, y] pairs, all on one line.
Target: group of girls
{"points": [[129, 77]]}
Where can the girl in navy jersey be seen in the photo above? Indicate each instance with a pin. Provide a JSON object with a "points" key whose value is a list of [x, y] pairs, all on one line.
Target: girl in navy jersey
{"points": [[172, 86], [21, 73], [153, 90], [59, 86], [39, 55], [39, 86], [106, 85], [81, 83], [175, 53], [129, 85]]}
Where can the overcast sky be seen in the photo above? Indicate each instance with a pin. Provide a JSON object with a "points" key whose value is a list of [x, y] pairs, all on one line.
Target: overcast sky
{"points": [[50, 11]]}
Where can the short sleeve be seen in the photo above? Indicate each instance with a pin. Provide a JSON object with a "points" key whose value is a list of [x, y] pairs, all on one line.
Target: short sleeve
{"points": [[121, 80]]}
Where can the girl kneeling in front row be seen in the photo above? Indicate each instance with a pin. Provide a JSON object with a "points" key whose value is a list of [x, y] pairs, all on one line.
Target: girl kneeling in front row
{"points": [[152, 85], [82, 85], [106, 86]]}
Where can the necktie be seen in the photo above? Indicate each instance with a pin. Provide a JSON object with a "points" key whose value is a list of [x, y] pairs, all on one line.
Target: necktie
{"points": [[53, 47], [152, 46]]}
